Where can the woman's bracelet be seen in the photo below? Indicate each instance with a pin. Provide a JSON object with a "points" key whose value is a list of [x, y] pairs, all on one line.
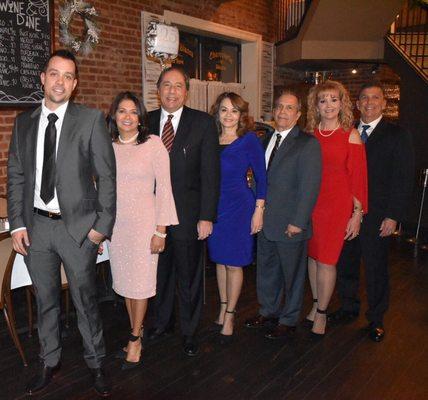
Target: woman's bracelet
{"points": [[159, 234], [261, 207]]}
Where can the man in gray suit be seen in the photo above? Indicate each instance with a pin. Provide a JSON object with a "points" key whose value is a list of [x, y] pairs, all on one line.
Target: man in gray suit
{"points": [[293, 160], [61, 206]]}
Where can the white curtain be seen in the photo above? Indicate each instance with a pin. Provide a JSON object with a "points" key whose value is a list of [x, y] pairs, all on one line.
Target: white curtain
{"points": [[203, 94]]}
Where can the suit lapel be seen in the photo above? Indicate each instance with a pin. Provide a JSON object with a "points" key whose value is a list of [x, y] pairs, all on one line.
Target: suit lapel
{"points": [[182, 131], [155, 128], [31, 139], [67, 133], [377, 133], [286, 146]]}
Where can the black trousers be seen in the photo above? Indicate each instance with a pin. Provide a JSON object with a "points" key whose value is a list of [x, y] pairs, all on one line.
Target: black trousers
{"points": [[373, 250], [50, 245], [180, 265]]}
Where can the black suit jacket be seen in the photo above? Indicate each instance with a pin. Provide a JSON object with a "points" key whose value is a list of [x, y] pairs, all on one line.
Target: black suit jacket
{"points": [[84, 153], [390, 169], [195, 170]]}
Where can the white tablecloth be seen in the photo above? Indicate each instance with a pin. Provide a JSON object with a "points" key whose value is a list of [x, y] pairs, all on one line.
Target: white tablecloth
{"points": [[20, 276]]}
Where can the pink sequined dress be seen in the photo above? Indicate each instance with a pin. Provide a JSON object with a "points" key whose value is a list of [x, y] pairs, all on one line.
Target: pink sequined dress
{"points": [[140, 169]]}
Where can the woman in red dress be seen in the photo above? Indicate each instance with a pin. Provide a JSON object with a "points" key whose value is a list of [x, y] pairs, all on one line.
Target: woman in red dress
{"points": [[343, 195]]}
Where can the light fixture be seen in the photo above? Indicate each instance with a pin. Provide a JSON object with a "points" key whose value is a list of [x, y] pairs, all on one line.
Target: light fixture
{"points": [[354, 70], [375, 69]]}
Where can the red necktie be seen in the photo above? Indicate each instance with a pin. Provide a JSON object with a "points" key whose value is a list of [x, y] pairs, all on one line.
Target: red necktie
{"points": [[168, 133]]}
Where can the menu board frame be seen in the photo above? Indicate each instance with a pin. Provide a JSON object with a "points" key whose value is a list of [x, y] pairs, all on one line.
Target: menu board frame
{"points": [[10, 98]]}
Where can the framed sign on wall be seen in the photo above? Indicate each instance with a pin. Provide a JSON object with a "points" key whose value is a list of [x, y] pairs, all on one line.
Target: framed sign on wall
{"points": [[26, 32]]}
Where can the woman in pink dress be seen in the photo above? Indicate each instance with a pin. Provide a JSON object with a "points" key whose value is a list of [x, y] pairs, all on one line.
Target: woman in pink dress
{"points": [[145, 206], [342, 200]]}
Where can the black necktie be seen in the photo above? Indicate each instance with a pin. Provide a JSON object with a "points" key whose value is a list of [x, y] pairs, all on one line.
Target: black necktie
{"points": [[48, 174], [364, 135], [275, 148]]}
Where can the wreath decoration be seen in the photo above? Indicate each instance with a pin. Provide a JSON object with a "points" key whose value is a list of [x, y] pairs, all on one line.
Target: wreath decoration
{"points": [[84, 44]]}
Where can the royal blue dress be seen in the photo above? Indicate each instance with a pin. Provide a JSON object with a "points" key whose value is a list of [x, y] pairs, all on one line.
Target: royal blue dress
{"points": [[231, 242]]}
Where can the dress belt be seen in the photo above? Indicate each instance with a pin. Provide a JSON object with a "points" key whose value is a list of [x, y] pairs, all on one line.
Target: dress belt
{"points": [[47, 214]]}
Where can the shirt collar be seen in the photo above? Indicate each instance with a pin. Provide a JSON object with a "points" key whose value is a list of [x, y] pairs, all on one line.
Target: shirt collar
{"points": [[372, 124], [60, 111], [176, 114], [283, 133]]}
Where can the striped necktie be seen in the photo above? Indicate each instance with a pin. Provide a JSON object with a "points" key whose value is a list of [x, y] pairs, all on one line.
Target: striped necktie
{"points": [[168, 133], [364, 135], [275, 148]]}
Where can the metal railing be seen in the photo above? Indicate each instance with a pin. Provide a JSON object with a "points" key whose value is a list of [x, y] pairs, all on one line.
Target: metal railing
{"points": [[290, 16], [408, 35]]}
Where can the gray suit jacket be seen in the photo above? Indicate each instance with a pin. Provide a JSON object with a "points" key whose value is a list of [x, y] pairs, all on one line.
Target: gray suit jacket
{"points": [[293, 184], [85, 155]]}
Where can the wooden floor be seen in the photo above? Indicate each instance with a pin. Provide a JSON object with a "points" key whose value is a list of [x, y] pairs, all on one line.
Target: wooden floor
{"points": [[344, 365]]}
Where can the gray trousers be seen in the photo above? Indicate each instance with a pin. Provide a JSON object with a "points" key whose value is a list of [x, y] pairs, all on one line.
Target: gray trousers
{"points": [[281, 270], [50, 244]]}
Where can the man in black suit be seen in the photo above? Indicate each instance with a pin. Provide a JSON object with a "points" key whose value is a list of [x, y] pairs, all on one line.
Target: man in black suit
{"points": [[61, 205], [293, 160], [390, 168], [191, 138]]}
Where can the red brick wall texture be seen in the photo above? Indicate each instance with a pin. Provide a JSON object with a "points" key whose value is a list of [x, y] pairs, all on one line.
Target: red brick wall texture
{"points": [[115, 64]]}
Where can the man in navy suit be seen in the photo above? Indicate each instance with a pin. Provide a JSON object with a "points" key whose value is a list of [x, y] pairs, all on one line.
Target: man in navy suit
{"points": [[390, 167]]}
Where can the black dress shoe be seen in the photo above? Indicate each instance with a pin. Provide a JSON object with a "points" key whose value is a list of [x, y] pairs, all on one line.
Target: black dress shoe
{"points": [[280, 331], [158, 333], [190, 347], [260, 321], [342, 316], [42, 379], [376, 333], [101, 383]]}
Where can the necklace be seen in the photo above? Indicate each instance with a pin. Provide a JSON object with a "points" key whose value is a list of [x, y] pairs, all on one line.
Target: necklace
{"points": [[127, 141], [329, 134]]}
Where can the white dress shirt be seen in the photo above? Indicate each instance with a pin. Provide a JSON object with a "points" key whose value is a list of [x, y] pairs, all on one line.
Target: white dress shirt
{"points": [[372, 124], [272, 141], [53, 205], [175, 120]]}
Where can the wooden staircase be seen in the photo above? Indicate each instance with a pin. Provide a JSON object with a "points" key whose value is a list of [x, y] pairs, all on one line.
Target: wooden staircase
{"points": [[409, 37]]}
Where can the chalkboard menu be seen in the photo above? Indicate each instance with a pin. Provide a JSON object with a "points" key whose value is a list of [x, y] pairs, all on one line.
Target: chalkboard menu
{"points": [[25, 45]]}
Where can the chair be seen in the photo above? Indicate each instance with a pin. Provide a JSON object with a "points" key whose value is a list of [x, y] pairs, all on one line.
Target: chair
{"points": [[7, 258]]}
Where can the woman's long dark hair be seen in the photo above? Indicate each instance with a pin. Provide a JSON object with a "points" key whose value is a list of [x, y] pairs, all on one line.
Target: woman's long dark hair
{"points": [[143, 130]]}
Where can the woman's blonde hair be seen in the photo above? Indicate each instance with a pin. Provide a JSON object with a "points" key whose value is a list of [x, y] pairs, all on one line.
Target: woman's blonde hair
{"points": [[346, 116]]}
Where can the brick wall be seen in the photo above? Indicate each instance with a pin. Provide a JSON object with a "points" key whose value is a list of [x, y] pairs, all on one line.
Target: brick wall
{"points": [[115, 64]]}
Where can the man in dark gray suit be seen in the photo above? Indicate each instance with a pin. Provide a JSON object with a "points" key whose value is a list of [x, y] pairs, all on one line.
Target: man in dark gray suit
{"points": [[61, 206], [293, 159]]}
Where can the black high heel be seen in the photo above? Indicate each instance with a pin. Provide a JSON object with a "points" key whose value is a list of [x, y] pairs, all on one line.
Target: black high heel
{"points": [[320, 335], [308, 322], [121, 354], [226, 339], [127, 365], [217, 326]]}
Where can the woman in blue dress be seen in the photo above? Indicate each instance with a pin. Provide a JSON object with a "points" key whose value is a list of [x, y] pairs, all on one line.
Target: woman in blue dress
{"points": [[240, 212]]}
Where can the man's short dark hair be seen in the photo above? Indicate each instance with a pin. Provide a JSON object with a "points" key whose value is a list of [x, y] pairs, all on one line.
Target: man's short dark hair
{"points": [[371, 84], [63, 53], [289, 92], [174, 68]]}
